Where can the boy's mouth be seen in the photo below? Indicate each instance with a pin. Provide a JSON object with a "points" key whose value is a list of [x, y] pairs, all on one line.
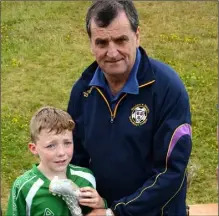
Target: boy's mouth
{"points": [[60, 161]]}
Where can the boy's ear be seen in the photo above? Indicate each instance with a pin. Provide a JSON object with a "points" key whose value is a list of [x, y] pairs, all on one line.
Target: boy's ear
{"points": [[32, 148]]}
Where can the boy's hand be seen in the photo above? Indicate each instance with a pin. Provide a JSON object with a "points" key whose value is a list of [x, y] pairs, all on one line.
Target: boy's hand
{"points": [[99, 212], [90, 197]]}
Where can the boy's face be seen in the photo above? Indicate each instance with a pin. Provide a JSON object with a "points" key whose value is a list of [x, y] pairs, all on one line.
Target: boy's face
{"points": [[55, 151]]}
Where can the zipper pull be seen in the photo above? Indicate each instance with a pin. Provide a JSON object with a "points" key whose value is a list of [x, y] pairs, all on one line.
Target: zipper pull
{"points": [[112, 119]]}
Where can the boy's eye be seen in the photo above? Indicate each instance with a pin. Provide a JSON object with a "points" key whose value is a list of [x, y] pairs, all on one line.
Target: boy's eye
{"points": [[50, 146], [68, 143]]}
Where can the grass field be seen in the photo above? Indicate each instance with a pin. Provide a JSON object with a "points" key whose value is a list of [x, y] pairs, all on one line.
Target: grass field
{"points": [[45, 48]]}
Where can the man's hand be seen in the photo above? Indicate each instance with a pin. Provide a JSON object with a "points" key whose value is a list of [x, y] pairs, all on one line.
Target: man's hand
{"points": [[90, 197]]}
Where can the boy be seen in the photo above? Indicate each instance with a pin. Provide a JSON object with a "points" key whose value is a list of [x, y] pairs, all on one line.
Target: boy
{"points": [[51, 135]]}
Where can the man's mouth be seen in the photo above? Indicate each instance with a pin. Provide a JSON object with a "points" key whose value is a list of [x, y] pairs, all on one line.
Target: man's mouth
{"points": [[114, 61]]}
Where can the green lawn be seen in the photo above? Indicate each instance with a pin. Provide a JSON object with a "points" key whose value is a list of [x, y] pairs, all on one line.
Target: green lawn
{"points": [[45, 48]]}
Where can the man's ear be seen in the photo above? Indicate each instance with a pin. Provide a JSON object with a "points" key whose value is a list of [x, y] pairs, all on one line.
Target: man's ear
{"points": [[138, 37], [91, 48], [32, 148]]}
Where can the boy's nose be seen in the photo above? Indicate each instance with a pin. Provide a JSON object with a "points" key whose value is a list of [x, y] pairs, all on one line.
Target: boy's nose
{"points": [[60, 151]]}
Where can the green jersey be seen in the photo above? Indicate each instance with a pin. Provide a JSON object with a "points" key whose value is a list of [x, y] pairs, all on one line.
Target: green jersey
{"points": [[30, 194]]}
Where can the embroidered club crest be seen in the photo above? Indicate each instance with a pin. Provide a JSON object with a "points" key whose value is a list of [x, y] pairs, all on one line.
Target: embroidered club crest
{"points": [[139, 114]]}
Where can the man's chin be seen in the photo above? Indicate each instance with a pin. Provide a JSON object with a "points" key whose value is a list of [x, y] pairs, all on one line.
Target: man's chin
{"points": [[115, 72]]}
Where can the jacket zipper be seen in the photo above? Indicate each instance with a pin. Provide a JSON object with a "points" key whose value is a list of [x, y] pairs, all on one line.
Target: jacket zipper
{"points": [[112, 114]]}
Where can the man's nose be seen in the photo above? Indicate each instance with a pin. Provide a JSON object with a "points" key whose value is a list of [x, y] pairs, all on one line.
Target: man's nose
{"points": [[112, 51]]}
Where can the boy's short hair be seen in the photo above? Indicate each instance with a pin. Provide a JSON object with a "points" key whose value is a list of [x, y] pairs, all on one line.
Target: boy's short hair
{"points": [[51, 119]]}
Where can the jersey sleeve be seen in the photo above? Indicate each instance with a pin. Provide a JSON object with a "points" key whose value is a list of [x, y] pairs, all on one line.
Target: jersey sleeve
{"points": [[88, 179], [16, 203]]}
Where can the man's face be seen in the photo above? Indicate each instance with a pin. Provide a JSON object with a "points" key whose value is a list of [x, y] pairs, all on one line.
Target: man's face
{"points": [[114, 47], [55, 151]]}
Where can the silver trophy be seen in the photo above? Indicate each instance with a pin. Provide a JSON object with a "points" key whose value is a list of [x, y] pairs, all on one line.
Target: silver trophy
{"points": [[69, 192]]}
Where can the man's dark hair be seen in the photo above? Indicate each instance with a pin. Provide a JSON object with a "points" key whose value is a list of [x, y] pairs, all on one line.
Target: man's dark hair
{"points": [[105, 11]]}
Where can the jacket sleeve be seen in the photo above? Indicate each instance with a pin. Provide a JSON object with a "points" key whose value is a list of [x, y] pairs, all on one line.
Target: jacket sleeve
{"points": [[80, 156], [16, 203], [171, 149]]}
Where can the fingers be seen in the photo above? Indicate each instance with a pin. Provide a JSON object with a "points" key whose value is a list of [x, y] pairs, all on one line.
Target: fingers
{"points": [[92, 203], [90, 197], [88, 192], [86, 189], [88, 201]]}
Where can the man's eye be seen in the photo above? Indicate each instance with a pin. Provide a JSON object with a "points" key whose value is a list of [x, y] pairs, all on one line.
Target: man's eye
{"points": [[121, 40], [101, 43]]}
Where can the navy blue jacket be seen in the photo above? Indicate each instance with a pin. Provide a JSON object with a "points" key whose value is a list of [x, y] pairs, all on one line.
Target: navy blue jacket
{"points": [[138, 152]]}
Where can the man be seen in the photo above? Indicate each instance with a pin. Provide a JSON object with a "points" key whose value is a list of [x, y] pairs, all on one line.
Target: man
{"points": [[132, 119]]}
